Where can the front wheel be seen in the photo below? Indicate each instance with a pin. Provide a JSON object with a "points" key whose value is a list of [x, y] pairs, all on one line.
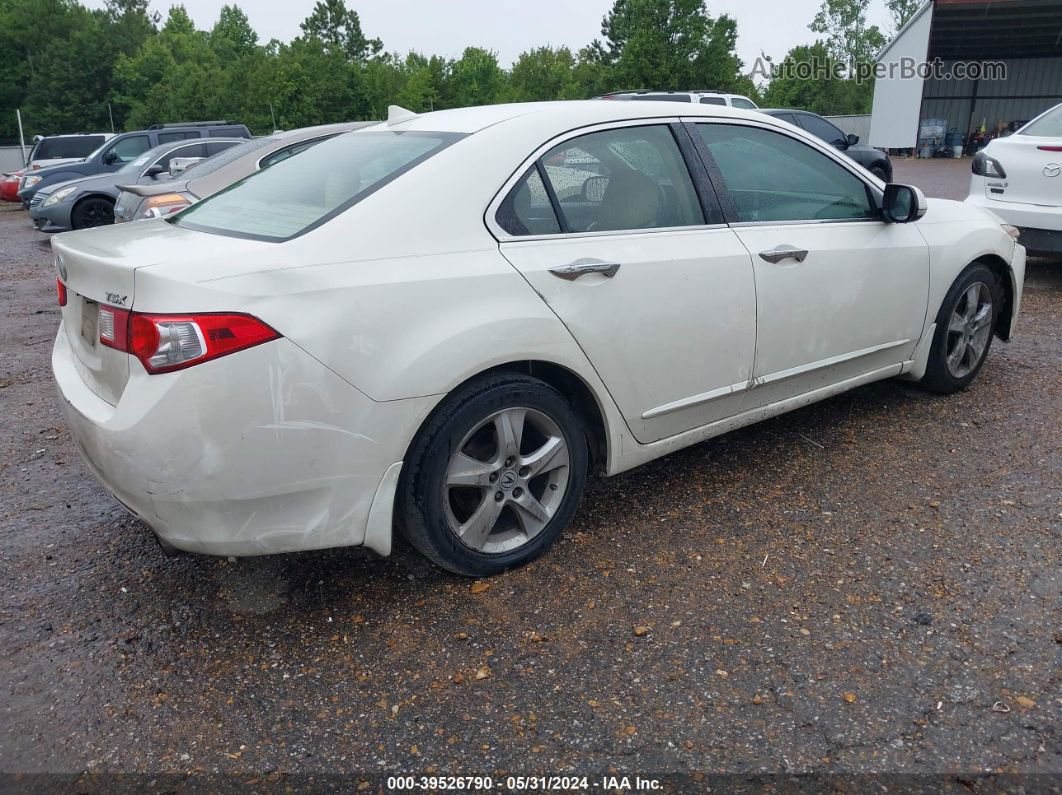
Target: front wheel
{"points": [[494, 477], [91, 212], [963, 335]]}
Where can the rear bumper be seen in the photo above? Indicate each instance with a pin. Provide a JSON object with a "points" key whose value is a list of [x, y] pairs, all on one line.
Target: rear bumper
{"points": [[260, 452], [1040, 225]]}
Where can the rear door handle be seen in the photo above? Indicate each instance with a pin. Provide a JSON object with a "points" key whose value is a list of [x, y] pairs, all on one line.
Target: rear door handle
{"points": [[574, 270], [780, 253]]}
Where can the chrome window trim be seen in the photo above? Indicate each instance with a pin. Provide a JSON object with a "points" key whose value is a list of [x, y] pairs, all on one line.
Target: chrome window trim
{"points": [[503, 236]]}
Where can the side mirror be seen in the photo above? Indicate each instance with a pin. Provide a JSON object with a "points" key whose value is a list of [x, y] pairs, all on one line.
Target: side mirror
{"points": [[852, 139], [154, 170], [594, 188], [902, 204], [110, 158]]}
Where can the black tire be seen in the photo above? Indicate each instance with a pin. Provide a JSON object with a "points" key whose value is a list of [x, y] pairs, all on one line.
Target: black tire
{"points": [[424, 508], [91, 212], [879, 172], [940, 376]]}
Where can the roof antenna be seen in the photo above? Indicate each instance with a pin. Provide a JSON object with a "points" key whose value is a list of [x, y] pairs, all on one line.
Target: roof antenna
{"points": [[396, 114]]}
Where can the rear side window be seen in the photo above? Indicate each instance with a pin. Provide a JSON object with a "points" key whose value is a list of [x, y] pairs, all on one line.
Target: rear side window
{"points": [[622, 179], [297, 195], [169, 137], [741, 102], [772, 177], [66, 147], [527, 209], [231, 131], [713, 101]]}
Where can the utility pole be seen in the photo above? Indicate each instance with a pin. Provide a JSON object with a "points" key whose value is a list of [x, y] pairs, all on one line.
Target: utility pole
{"points": [[21, 137], [111, 114], [272, 115]]}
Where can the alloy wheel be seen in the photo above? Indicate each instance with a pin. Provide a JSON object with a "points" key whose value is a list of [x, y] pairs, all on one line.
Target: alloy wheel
{"points": [[506, 480], [969, 330]]}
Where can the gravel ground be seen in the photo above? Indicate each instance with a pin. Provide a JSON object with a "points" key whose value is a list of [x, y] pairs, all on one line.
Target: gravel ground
{"points": [[867, 585]]}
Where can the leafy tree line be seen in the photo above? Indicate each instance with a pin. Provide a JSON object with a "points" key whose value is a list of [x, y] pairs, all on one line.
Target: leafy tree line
{"points": [[71, 69]]}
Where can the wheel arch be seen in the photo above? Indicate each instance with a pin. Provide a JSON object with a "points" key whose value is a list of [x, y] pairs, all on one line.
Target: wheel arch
{"points": [[1002, 269], [92, 195], [585, 402]]}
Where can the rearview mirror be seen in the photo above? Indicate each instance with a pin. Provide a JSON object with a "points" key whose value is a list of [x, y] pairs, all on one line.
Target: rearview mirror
{"points": [[902, 204], [853, 139]]}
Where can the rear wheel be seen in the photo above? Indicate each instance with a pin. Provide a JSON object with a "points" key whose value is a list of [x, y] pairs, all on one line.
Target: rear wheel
{"points": [[93, 211], [494, 477], [963, 335]]}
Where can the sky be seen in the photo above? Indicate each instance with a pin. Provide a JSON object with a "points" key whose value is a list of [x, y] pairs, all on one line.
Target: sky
{"points": [[508, 27]]}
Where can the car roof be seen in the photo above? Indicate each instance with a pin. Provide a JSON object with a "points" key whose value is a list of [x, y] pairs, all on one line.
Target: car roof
{"points": [[572, 113]]}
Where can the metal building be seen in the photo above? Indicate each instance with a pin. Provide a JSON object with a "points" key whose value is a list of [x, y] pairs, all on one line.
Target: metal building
{"points": [[995, 62]]}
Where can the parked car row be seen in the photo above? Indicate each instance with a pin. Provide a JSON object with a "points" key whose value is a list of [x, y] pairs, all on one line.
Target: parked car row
{"points": [[187, 163], [442, 324]]}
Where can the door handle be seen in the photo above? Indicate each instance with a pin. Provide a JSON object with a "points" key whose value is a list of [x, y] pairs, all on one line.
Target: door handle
{"points": [[780, 253], [574, 270]]}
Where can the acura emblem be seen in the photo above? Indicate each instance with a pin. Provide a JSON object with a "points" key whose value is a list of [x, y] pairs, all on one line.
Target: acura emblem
{"points": [[1052, 170]]}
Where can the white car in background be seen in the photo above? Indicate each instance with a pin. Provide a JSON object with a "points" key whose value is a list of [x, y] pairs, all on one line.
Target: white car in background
{"points": [[409, 325], [695, 96], [1019, 178]]}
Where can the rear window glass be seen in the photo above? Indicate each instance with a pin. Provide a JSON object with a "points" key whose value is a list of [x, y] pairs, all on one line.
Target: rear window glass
{"points": [[66, 146], [301, 193], [1047, 126]]}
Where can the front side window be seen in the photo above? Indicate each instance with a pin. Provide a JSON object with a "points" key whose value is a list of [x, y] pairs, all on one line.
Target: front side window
{"points": [[1047, 126], [193, 150], [622, 179], [129, 149], [822, 129], [289, 151], [772, 177], [298, 194]]}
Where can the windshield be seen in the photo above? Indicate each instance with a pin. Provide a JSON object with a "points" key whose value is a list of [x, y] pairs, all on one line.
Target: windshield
{"points": [[67, 147], [230, 155], [300, 193], [141, 162], [1047, 126]]}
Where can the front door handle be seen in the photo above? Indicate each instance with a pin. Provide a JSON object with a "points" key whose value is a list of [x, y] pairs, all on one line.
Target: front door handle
{"points": [[780, 253], [574, 270]]}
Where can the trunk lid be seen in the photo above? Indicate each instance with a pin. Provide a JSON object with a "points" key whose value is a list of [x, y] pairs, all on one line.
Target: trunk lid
{"points": [[98, 267], [1033, 169]]}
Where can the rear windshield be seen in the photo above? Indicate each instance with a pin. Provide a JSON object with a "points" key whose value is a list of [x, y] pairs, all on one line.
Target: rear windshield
{"points": [[222, 159], [301, 193], [1047, 126], [67, 146]]}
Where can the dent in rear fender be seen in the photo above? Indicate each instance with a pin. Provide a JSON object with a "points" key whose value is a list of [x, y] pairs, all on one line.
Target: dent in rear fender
{"points": [[262, 451]]}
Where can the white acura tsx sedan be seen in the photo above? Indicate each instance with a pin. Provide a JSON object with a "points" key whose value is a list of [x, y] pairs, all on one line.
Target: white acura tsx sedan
{"points": [[441, 323]]}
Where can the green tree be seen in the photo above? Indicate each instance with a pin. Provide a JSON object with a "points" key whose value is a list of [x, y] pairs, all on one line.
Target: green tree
{"points": [[339, 28], [475, 79], [667, 45], [901, 12], [848, 37], [232, 35], [543, 74]]}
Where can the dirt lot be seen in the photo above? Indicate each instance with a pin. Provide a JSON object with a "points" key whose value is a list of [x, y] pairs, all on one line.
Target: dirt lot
{"points": [[870, 584]]}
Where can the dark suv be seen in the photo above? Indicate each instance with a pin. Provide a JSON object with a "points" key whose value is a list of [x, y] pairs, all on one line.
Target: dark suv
{"points": [[125, 148], [873, 160]]}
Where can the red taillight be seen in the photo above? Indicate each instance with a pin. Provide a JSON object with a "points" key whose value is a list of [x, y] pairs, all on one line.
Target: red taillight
{"points": [[60, 289], [1050, 148], [164, 343]]}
